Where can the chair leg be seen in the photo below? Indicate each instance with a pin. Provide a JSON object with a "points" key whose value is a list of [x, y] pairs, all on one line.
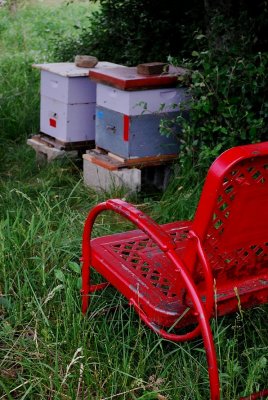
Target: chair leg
{"points": [[85, 291], [204, 327], [87, 288]]}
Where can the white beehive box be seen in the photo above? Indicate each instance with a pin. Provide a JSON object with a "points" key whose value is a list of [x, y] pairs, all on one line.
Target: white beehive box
{"points": [[67, 122], [68, 100], [138, 102]]}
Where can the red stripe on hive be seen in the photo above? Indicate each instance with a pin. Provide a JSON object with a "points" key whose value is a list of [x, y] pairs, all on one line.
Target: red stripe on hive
{"points": [[126, 128]]}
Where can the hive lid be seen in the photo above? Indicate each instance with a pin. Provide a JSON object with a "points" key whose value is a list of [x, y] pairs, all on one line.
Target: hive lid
{"points": [[127, 78], [69, 69]]}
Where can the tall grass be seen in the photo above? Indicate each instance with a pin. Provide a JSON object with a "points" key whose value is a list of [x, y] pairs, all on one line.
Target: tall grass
{"points": [[48, 350], [27, 35]]}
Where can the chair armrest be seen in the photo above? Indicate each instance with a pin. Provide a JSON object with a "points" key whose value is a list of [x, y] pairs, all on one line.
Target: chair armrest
{"points": [[141, 220]]}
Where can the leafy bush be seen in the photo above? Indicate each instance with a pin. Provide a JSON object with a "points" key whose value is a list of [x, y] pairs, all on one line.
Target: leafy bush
{"points": [[228, 107], [131, 31], [223, 45]]}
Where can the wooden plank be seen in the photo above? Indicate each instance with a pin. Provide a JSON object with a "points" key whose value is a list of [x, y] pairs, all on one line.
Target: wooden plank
{"points": [[53, 142], [102, 160], [116, 157], [152, 160], [69, 69], [112, 163]]}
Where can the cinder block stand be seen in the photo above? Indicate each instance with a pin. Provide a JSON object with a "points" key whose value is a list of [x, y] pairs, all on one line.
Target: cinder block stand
{"points": [[105, 171], [102, 179]]}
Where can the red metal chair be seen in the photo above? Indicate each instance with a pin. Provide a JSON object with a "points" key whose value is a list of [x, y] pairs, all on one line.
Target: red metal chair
{"points": [[181, 274]]}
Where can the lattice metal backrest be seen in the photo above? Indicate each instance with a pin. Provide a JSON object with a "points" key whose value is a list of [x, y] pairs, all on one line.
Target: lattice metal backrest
{"points": [[241, 210], [232, 216]]}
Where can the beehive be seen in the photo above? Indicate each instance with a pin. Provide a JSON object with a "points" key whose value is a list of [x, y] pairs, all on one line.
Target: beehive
{"points": [[68, 100], [129, 110]]}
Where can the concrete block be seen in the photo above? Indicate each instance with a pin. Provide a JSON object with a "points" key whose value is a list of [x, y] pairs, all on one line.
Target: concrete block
{"points": [[47, 153], [99, 178]]}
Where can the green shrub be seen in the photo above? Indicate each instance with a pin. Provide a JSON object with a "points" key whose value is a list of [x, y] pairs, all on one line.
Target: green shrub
{"points": [[228, 107], [131, 31]]}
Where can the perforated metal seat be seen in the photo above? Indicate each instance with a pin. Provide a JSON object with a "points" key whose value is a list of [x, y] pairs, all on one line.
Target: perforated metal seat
{"points": [[148, 274], [218, 259]]}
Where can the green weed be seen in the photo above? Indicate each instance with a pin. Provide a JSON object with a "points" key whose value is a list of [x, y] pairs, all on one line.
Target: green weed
{"points": [[48, 349]]}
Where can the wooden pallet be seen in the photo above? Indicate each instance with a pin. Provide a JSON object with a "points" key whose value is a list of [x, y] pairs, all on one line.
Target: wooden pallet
{"points": [[112, 162], [58, 144]]}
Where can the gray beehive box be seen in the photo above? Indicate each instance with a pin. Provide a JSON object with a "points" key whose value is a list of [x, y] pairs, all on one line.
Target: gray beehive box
{"points": [[133, 135]]}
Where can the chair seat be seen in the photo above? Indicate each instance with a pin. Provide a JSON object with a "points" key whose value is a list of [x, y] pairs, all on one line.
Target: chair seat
{"points": [[133, 264]]}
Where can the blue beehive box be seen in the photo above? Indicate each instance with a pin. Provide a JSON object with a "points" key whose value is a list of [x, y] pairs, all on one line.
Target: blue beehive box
{"points": [[129, 110], [131, 136]]}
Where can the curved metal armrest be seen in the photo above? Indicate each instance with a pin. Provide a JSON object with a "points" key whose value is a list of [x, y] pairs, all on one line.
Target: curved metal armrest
{"points": [[257, 395], [141, 220]]}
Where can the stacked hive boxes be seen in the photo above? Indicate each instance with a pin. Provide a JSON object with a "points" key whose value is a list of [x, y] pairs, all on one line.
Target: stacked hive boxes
{"points": [[112, 108], [129, 108], [68, 101]]}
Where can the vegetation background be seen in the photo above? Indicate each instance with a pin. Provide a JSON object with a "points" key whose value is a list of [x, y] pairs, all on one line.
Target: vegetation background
{"points": [[47, 349]]}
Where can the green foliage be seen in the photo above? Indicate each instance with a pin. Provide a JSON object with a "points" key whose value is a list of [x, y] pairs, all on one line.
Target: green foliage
{"points": [[131, 31], [19, 98], [229, 107], [228, 104]]}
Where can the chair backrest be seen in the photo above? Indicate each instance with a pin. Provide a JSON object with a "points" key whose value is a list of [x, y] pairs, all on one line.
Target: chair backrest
{"points": [[231, 219]]}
